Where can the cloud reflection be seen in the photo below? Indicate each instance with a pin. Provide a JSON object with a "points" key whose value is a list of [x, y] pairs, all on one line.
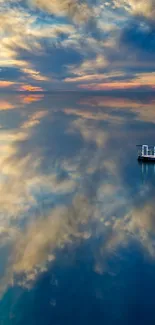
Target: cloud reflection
{"points": [[65, 179]]}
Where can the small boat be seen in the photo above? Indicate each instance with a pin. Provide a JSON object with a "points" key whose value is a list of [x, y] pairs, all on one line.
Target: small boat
{"points": [[146, 153]]}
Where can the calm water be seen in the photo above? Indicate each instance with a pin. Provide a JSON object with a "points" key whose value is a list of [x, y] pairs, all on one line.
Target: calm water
{"points": [[77, 211]]}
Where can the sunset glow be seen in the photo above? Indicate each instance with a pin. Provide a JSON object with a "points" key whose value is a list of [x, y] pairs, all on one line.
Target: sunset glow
{"points": [[77, 45]]}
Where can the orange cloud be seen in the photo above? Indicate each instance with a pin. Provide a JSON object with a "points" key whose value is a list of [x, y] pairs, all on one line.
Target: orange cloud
{"points": [[141, 79], [31, 98], [4, 105], [115, 85], [102, 81], [30, 88], [36, 75], [4, 83]]}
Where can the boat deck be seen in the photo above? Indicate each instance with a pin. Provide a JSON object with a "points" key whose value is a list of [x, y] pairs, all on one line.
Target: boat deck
{"points": [[146, 153]]}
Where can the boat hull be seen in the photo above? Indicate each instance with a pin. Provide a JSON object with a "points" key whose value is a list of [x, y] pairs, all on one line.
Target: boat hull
{"points": [[146, 158]]}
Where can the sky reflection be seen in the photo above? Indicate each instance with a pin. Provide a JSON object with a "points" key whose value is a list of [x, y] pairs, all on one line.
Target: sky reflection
{"points": [[76, 208]]}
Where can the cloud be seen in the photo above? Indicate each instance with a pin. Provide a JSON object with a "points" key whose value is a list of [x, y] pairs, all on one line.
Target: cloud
{"points": [[93, 184], [107, 77], [140, 80], [87, 66], [17, 154], [89, 133], [5, 105], [34, 248], [97, 115], [139, 36], [4, 84], [27, 99], [140, 7], [61, 44], [142, 109], [30, 37], [34, 74], [34, 119], [80, 12], [30, 88], [45, 235]]}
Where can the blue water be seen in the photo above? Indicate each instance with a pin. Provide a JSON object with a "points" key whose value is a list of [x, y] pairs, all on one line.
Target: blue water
{"points": [[77, 221]]}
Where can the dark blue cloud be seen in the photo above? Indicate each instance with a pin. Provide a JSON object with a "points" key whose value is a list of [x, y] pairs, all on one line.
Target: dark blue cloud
{"points": [[54, 62], [10, 73], [139, 36]]}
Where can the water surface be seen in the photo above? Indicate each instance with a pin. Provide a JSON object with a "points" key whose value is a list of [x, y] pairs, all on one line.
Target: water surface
{"points": [[77, 221]]}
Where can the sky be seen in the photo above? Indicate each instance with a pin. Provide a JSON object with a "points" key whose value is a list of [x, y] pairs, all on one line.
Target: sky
{"points": [[77, 45]]}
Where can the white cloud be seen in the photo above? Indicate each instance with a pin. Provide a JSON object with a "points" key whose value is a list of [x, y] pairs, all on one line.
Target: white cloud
{"points": [[74, 9], [137, 7]]}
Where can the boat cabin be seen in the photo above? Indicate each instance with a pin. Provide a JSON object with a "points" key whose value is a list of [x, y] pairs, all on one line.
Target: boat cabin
{"points": [[146, 152]]}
